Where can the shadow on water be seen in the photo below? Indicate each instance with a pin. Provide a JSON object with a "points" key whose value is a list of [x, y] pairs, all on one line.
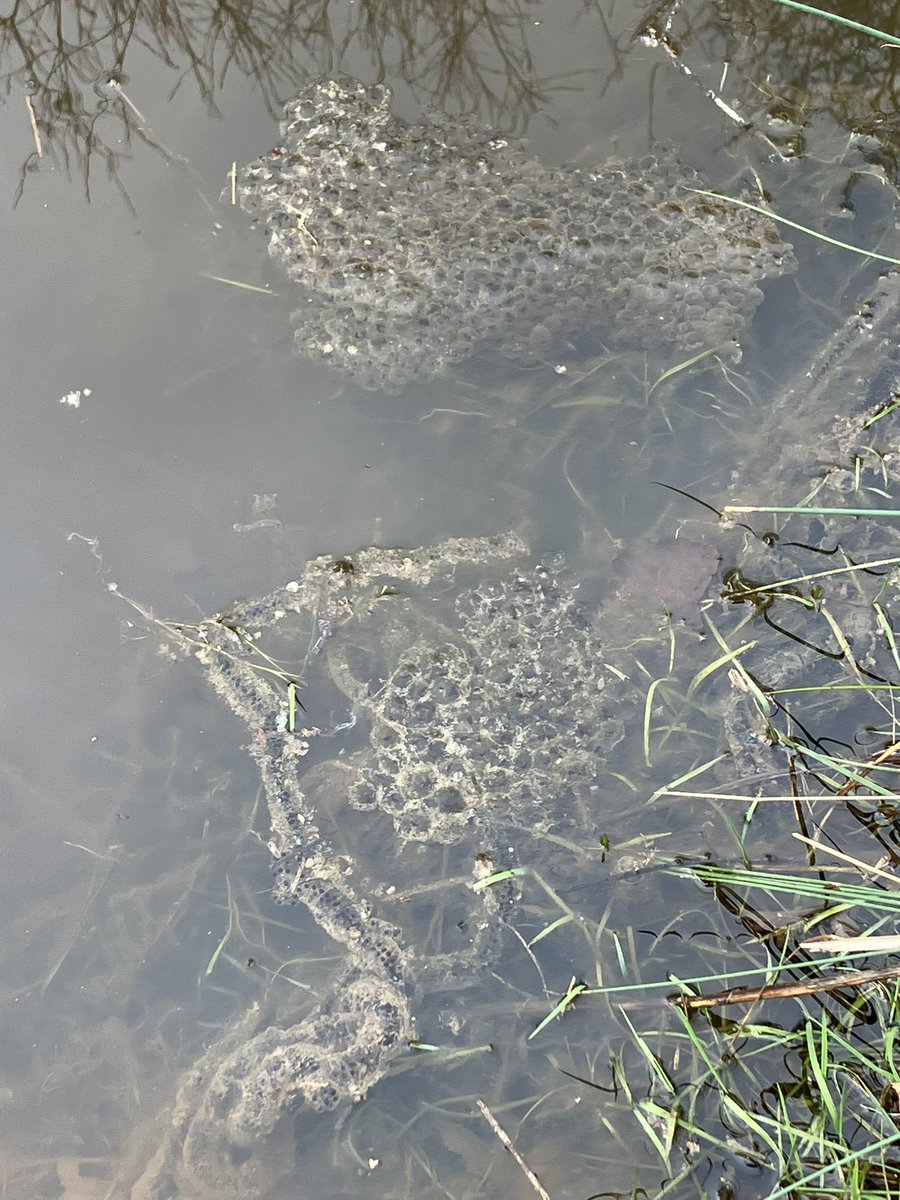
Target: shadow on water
{"points": [[121, 970]]}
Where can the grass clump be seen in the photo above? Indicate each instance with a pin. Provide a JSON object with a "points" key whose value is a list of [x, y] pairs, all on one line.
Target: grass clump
{"points": [[773, 1070]]}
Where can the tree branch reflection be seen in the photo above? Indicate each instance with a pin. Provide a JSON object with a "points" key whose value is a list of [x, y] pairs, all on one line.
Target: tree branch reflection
{"points": [[71, 57], [786, 67], [454, 54]]}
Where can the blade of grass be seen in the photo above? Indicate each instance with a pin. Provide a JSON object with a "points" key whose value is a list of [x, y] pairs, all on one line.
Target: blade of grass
{"points": [[821, 237], [845, 570], [722, 661], [548, 929], [817, 1057], [857, 26], [214, 957], [682, 366], [652, 1060], [686, 778], [499, 877], [862, 867], [249, 287], [831, 892], [648, 711], [572, 993], [841, 767]]}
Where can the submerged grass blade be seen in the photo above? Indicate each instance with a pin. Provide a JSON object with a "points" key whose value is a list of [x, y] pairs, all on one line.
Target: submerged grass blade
{"points": [[886, 628], [650, 1058], [682, 366], [223, 940], [751, 1122], [648, 713], [248, 287], [723, 661], [876, 563], [499, 877], [846, 769], [548, 929], [668, 788], [814, 233], [833, 852]]}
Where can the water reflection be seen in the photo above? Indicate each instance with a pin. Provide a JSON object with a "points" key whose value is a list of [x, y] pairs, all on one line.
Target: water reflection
{"points": [[785, 69], [72, 61]]}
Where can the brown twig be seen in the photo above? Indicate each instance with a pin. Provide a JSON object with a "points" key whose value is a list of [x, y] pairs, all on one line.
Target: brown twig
{"points": [[749, 995]]}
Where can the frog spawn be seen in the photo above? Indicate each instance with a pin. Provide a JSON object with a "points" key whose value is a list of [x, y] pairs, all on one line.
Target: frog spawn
{"points": [[419, 245], [487, 717], [479, 724]]}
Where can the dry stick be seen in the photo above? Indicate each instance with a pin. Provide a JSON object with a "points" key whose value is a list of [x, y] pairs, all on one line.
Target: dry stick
{"points": [[862, 867], [38, 144], [660, 38], [507, 1142]]}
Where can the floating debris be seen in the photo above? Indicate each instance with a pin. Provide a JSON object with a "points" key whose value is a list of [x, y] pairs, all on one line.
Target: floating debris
{"points": [[73, 399]]}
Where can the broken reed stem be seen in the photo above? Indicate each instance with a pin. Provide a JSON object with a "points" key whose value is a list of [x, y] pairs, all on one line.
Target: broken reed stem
{"points": [[506, 1140]]}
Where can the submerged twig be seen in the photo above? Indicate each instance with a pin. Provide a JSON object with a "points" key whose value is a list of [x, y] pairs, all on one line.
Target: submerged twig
{"points": [[506, 1140]]}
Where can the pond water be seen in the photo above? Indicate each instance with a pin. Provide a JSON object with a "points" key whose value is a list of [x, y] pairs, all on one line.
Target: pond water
{"points": [[156, 413]]}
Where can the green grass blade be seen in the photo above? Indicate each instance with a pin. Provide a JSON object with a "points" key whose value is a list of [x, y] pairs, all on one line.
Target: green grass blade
{"points": [[817, 1057], [499, 877], [682, 366], [857, 26], [559, 1008], [674, 784], [846, 894], [723, 661], [845, 570], [548, 929], [651, 1133], [814, 233]]}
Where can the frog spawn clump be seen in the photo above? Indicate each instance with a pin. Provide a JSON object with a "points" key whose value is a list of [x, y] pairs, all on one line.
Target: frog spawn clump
{"points": [[502, 722], [488, 714], [418, 245]]}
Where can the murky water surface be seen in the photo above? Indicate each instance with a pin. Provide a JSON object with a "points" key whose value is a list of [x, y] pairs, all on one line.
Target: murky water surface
{"points": [[148, 406]]}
